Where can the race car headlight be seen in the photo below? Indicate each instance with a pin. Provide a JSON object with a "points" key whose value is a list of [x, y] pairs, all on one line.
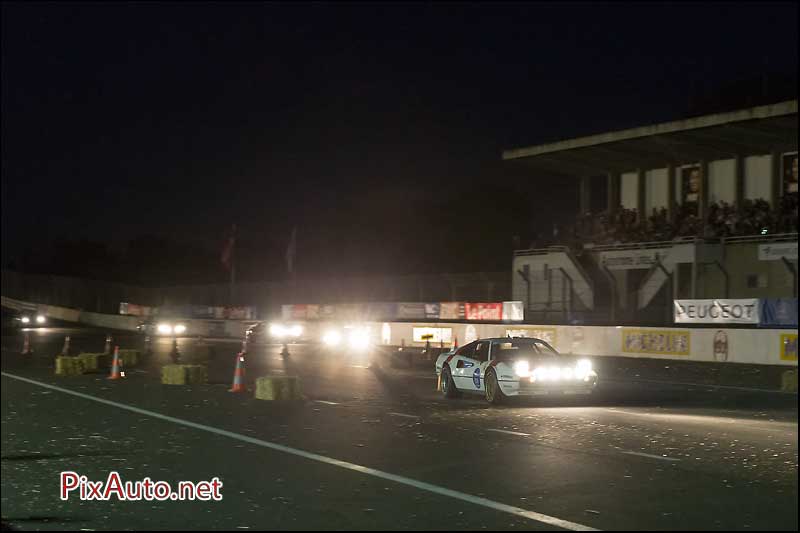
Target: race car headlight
{"points": [[277, 330], [296, 330], [583, 368], [358, 339], [40, 319], [332, 338], [164, 329], [25, 320], [179, 329], [554, 373], [522, 368]]}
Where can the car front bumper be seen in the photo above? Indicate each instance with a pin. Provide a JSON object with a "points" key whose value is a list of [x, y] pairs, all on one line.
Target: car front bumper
{"points": [[524, 387]]}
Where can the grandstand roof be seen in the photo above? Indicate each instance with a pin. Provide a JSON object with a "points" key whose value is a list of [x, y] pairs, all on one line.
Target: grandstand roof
{"points": [[719, 136]]}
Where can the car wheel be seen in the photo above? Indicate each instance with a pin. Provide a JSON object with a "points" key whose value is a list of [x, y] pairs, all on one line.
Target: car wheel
{"points": [[449, 389], [494, 395]]}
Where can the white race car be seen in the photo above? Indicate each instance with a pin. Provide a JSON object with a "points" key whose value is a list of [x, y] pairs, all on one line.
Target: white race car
{"points": [[503, 367]]}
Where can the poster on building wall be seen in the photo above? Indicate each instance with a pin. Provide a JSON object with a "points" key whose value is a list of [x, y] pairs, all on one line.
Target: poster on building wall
{"points": [[789, 173], [691, 188], [789, 347], [658, 342]]}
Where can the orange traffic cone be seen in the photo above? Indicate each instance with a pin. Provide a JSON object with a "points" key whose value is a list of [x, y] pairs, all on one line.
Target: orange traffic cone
{"points": [[116, 366], [238, 374], [26, 345], [65, 349]]}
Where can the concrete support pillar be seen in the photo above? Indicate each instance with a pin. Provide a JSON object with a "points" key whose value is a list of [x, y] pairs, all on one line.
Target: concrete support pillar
{"points": [[584, 192], [702, 207], [642, 191], [613, 196], [671, 205], [777, 179], [739, 176]]}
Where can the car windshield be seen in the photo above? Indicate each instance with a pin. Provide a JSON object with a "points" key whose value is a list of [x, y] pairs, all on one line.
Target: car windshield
{"points": [[521, 348]]}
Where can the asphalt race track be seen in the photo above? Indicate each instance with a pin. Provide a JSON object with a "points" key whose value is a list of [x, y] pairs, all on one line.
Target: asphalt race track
{"points": [[376, 447]]}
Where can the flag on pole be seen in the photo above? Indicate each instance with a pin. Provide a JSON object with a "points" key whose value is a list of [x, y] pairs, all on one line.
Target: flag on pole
{"points": [[291, 251], [227, 249]]}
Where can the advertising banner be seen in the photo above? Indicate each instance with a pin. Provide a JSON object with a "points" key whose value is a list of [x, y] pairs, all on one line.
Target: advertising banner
{"points": [[779, 312], [432, 311], [789, 347], [433, 335], [484, 311], [548, 335], [775, 251], [381, 311], [513, 311], [631, 259], [411, 310], [717, 311], [452, 311], [660, 342]]}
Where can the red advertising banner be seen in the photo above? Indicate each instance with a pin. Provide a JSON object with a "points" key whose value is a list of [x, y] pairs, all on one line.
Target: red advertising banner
{"points": [[484, 311]]}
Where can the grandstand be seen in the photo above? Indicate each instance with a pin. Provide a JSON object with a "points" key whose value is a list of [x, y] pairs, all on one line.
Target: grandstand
{"points": [[699, 208]]}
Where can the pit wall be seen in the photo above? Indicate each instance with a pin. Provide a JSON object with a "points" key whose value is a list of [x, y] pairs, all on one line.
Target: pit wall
{"points": [[753, 346]]}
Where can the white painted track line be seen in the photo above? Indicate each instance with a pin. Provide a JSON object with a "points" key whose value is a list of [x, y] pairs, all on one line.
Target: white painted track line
{"points": [[651, 456], [421, 485], [520, 434]]}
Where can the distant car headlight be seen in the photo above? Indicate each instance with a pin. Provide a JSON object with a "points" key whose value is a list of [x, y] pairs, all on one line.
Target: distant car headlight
{"points": [[554, 373], [296, 330], [179, 329], [164, 329], [25, 320], [40, 319], [522, 368], [332, 338]]}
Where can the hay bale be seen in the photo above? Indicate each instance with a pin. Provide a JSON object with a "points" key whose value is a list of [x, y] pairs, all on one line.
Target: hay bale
{"points": [[196, 374], [278, 388], [184, 374], [90, 361], [129, 358], [68, 366]]}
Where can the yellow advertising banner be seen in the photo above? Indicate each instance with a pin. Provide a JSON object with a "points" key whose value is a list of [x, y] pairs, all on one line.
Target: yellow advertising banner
{"points": [[653, 341]]}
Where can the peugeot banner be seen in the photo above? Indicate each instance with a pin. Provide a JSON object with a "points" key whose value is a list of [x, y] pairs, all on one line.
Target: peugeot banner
{"points": [[740, 311]]}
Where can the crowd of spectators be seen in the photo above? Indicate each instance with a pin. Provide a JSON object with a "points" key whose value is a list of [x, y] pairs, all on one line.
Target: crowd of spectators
{"points": [[752, 217]]}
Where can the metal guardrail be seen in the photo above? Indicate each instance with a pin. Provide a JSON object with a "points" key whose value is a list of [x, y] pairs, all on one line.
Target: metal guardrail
{"points": [[776, 237], [646, 245]]}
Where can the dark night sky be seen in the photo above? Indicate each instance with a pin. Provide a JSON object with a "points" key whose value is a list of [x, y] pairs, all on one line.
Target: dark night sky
{"points": [[376, 129]]}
